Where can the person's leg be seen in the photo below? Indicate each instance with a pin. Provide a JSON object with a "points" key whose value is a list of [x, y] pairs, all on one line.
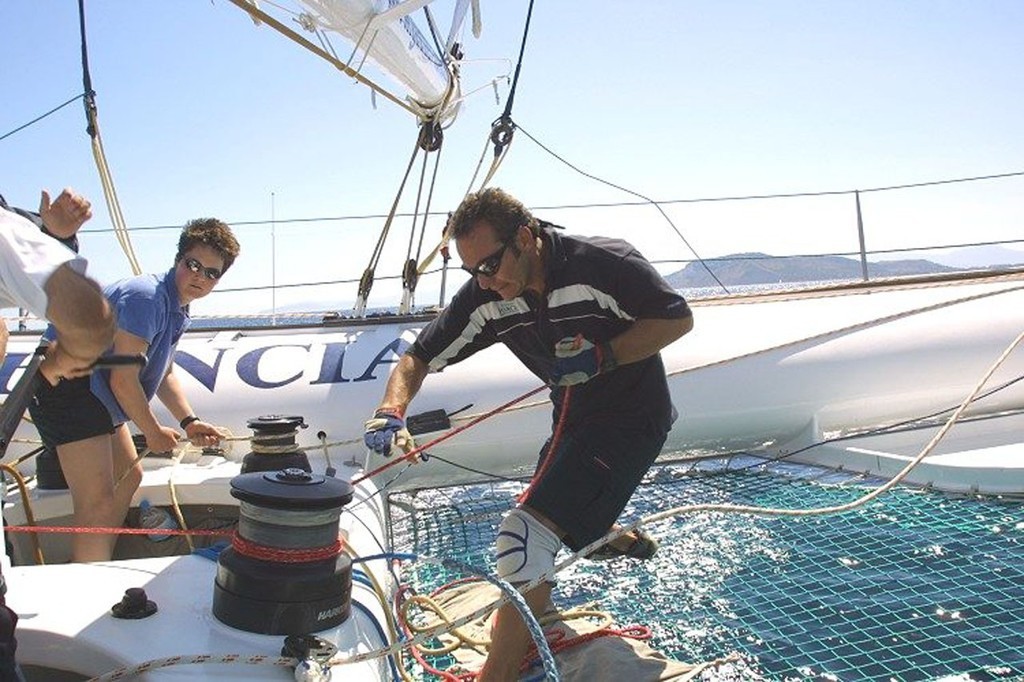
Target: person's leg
{"points": [[510, 639], [87, 466], [124, 460], [73, 421], [595, 471]]}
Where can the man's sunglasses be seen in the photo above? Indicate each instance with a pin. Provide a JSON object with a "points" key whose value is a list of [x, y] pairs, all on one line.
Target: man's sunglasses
{"points": [[195, 266], [489, 266]]}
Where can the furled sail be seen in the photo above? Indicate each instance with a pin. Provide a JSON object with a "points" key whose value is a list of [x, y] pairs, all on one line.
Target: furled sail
{"points": [[383, 32]]}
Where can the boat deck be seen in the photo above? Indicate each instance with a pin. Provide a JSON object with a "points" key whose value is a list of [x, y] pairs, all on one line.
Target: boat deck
{"points": [[66, 623]]}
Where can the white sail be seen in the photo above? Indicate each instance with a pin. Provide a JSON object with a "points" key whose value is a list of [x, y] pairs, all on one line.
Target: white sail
{"points": [[384, 33]]}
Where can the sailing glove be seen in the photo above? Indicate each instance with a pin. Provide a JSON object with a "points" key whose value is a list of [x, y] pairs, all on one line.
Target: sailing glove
{"points": [[386, 431], [578, 360]]}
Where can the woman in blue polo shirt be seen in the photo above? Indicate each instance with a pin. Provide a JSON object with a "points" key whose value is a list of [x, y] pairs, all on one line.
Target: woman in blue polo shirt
{"points": [[86, 419]]}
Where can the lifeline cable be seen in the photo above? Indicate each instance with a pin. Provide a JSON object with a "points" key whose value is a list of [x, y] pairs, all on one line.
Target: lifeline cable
{"points": [[627, 204]]}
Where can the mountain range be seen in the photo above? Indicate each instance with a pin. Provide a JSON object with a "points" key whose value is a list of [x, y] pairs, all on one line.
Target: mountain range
{"points": [[760, 268]]}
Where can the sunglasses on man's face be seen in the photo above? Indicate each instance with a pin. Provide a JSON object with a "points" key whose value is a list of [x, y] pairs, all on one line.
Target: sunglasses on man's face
{"points": [[193, 265], [489, 266]]}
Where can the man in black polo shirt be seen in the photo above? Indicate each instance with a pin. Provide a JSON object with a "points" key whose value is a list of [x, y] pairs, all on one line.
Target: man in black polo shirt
{"points": [[587, 316]]}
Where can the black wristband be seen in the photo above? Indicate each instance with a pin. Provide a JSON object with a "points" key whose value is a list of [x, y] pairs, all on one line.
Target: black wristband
{"points": [[188, 420]]}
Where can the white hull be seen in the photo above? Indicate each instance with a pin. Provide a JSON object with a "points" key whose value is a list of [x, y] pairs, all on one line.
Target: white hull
{"points": [[762, 373]]}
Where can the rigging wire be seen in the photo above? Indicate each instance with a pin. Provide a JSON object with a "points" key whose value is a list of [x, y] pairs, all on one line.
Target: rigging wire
{"points": [[411, 273], [366, 282], [501, 134], [615, 204], [650, 201], [430, 140], [503, 128], [39, 118]]}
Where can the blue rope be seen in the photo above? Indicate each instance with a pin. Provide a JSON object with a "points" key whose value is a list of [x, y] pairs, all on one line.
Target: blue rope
{"points": [[516, 599], [385, 555]]}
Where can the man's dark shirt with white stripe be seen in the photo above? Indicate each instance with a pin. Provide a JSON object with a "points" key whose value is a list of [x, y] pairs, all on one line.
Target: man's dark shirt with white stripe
{"points": [[596, 287]]}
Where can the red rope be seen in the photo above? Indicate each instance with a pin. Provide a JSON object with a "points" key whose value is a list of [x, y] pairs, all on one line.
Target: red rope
{"points": [[114, 531], [281, 555], [552, 447], [410, 456], [558, 642]]}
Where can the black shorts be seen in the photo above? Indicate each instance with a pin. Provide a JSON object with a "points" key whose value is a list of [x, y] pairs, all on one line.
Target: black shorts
{"points": [[594, 472], [68, 412]]}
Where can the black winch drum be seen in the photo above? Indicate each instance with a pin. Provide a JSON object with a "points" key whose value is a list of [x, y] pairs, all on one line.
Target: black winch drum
{"points": [[273, 444], [283, 513]]}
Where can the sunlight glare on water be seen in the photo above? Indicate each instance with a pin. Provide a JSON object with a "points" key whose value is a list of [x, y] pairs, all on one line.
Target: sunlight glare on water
{"points": [[912, 586]]}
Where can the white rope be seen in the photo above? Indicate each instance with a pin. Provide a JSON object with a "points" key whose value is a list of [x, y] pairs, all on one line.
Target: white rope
{"points": [[110, 195], [128, 672]]}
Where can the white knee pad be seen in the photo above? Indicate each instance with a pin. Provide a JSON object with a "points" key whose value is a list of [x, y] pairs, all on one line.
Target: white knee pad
{"points": [[526, 548]]}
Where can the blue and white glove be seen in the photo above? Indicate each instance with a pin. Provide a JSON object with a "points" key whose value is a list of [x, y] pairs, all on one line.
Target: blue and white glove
{"points": [[578, 360], [386, 431]]}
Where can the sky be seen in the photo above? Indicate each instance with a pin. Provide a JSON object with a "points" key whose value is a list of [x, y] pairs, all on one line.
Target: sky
{"points": [[204, 113]]}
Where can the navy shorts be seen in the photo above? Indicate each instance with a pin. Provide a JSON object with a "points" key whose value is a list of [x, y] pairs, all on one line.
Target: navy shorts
{"points": [[594, 472], [68, 412]]}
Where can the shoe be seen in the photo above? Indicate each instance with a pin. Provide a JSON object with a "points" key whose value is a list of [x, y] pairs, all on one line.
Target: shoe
{"points": [[643, 547]]}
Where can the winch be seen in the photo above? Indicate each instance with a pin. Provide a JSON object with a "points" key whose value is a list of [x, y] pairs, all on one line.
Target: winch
{"points": [[273, 444], [285, 572]]}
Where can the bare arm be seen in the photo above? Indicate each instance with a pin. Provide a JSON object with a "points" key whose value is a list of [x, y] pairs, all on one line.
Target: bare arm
{"points": [[81, 314], [125, 384], [647, 337], [172, 395], [83, 319], [404, 382]]}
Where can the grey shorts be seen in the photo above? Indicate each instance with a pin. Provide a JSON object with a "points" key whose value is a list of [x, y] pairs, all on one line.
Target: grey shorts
{"points": [[594, 472], [68, 412]]}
